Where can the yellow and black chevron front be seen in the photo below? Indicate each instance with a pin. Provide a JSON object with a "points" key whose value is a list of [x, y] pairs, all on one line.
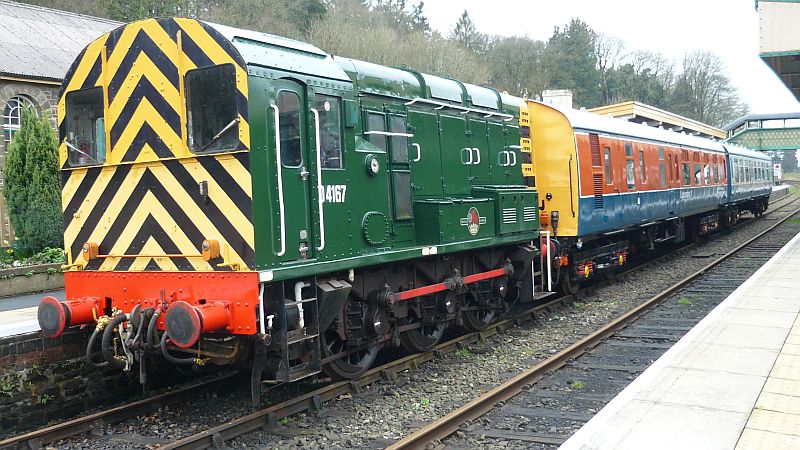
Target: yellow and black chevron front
{"points": [[153, 202]]}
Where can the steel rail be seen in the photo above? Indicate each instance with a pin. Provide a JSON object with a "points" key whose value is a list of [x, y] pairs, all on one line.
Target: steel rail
{"points": [[451, 422], [268, 418], [94, 423]]}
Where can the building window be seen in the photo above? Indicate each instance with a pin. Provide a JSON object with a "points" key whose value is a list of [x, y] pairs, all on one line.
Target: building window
{"points": [[12, 115]]}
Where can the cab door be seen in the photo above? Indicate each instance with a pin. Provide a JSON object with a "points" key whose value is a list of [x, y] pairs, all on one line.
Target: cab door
{"points": [[293, 237]]}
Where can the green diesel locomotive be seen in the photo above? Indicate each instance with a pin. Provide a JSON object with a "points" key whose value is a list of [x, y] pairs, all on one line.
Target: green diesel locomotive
{"points": [[231, 196]]}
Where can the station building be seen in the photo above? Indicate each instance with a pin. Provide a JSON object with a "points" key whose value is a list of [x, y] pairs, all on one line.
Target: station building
{"points": [[779, 39], [37, 47]]}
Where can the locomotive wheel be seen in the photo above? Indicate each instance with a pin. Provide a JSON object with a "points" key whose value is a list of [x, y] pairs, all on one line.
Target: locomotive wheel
{"points": [[476, 319], [422, 339], [350, 366], [569, 285]]}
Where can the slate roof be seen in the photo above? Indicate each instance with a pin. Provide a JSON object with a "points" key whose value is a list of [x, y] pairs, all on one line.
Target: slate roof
{"points": [[42, 43]]}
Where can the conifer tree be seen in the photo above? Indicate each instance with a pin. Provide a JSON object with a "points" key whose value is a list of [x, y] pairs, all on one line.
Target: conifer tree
{"points": [[32, 188]]}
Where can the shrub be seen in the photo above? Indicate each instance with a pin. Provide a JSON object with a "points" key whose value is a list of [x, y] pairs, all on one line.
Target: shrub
{"points": [[32, 188]]}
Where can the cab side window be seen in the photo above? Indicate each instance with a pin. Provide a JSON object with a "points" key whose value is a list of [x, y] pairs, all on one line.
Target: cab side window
{"points": [[85, 134], [212, 119], [376, 122], [330, 131], [291, 143]]}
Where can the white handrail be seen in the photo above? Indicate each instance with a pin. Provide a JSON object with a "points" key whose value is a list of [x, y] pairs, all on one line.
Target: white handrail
{"points": [[515, 158], [441, 105], [477, 152], [320, 193], [389, 133], [419, 152], [469, 152], [277, 113]]}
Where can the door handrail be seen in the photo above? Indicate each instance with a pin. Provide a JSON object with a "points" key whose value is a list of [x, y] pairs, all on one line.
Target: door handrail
{"points": [[320, 194], [277, 113], [419, 152]]}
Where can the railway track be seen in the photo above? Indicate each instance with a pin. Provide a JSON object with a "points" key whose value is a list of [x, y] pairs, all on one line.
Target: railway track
{"points": [[309, 401], [609, 358]]}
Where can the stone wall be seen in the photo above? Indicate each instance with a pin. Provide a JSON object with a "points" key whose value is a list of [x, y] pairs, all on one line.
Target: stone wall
{"points": [[45, 379]]}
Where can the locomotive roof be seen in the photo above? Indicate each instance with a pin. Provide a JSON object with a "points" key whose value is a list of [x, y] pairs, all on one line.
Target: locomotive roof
{"points": [[594, 122], [405, 83], [260, 49]]}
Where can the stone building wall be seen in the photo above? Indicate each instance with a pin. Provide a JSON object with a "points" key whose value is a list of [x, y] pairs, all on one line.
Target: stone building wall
{"points": [[44, 97]]}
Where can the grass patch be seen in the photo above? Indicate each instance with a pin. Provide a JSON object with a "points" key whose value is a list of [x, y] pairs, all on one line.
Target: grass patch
{"points": [[577, 385], [463, 352], [685, 301]]}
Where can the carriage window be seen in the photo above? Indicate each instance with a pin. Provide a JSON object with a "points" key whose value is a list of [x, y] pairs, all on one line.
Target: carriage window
{"points": [[686, 176], [607, 162], [716, 173], [707, 173], [397, 124], [698, 175], [330, 131], [675, 171], [629, 166], [86, 134], [212, 118], [375, 122], [642, 168], [662, 172], [291, 138], [669, 168]]}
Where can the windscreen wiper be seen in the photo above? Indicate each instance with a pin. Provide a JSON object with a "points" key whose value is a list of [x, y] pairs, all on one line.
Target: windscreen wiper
{"points": [[81, 151], [222, 132]]}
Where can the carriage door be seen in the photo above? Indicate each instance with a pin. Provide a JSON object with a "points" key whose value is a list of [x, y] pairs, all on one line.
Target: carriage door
{"points": [[294, 238]]}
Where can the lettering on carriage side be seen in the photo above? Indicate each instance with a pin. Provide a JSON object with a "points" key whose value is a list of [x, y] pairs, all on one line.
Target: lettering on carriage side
{"points": [[335, 193], [685, 194]]}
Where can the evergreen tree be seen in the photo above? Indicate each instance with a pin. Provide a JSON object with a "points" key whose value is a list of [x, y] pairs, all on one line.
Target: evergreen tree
{"points": [[571, 63], [466, 33], [32, 188]]}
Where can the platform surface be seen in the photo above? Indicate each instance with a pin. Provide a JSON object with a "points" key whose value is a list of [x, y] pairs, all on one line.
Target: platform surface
{"points": [[18, 314], [732, 382]]}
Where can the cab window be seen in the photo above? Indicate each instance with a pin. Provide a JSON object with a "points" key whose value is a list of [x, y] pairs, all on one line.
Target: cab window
{"points": [[397, 124], [212, 119], [330, 131], [85, 132], [376, 122], [291, 138], [607, 162]]}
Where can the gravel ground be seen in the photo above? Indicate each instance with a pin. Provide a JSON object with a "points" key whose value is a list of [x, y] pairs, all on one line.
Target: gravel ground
{"points": [[386, 411]]}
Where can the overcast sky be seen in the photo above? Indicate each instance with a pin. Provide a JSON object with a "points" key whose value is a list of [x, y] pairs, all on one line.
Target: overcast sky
{"points": [[728, 28]]}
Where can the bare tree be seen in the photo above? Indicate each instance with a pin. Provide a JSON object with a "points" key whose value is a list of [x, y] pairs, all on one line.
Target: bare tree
{"points": [[608, 51], [704, 92]]}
